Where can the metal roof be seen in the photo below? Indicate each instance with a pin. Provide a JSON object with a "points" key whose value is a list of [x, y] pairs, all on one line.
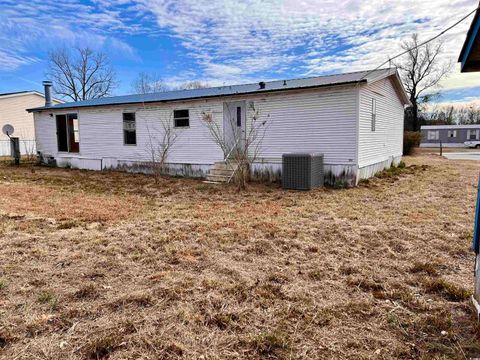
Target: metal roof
{"points": [[269, 86], [449, 127]]}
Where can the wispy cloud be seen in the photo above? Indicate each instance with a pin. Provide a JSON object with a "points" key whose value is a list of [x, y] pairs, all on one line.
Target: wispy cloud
{"points": [[31, 27], [229, 41], [310, 37]]}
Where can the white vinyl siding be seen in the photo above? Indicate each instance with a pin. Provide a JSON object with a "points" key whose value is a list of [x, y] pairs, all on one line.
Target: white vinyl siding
{"points": [[321, 121], [387, 139], [304, 121], [102, 134]]}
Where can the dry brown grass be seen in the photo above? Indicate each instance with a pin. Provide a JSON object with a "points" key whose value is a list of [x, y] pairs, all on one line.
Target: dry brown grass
{"points": [[112, 265]]}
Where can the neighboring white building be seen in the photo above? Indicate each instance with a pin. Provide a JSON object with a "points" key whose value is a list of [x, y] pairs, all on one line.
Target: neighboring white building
{"points": [[13, 108], [355, 120]]}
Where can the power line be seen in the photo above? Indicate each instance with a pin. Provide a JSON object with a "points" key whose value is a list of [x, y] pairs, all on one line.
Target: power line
{"points": [[421, 44]]}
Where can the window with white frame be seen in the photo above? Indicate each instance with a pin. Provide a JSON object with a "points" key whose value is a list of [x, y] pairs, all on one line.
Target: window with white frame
{"points": [[473, 134], [374, 114], [433, 135], [452, 133]]}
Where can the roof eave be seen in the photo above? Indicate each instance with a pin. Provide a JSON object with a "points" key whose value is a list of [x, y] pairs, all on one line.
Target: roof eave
{"points": [[43, 108], [472, 34]]}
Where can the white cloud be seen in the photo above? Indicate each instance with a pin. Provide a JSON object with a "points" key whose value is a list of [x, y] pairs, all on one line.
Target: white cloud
{"points": [[32, 27], [231, 41], [311, 36]]}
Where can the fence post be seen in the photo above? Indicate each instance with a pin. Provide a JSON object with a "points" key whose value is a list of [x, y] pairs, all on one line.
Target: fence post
{"points": [[441, 148]]}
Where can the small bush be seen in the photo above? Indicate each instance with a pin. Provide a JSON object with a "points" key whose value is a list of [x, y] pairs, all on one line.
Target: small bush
{"points": [[3, 284], [411, 139], [45, 297]]}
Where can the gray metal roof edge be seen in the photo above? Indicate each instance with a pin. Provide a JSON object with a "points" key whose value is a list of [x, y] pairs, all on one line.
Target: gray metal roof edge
{"points": [[193, 98]]}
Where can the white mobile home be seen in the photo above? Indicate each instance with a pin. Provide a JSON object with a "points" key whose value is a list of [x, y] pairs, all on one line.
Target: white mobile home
{"points": [[354, 119]]}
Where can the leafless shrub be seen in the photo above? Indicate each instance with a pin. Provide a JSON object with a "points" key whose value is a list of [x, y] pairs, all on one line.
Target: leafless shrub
{"points": [[160, 141]]}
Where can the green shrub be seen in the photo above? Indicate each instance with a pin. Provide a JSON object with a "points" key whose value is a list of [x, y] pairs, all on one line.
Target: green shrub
{"points": [[411, 139]]}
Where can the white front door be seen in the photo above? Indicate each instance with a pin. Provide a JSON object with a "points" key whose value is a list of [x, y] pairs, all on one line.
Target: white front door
{"points": [[234, 118]]}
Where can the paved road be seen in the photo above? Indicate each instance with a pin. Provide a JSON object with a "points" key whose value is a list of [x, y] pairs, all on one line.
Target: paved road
{"points": [[462, 155]]}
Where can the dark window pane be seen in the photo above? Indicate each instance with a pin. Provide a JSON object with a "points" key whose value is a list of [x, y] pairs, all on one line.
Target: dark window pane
{"points": [[239, 116], [129, 129], [62, 135], [129, 116], [182, 122], [130, 137], [180, 114]]}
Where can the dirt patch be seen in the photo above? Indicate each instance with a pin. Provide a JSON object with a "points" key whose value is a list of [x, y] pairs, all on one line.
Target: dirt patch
{"points": [[112, 265]]}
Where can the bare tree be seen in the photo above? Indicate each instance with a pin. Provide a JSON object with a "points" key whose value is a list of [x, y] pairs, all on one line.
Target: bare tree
{"points": [[244, 148], [161, 140], [83, 75], [421, 71], [161, 134], [147, 83], [190, 85]]}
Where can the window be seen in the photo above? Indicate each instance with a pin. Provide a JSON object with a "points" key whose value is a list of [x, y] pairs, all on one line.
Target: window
{"points": [[129, 129], [68, 137], [473, 134], [239, 116], [433, 135], [452, 133], [181, 118], [374, 114]]}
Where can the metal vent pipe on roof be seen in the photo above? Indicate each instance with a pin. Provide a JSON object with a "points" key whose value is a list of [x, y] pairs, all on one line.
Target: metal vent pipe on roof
{"points": [[47, 85]]}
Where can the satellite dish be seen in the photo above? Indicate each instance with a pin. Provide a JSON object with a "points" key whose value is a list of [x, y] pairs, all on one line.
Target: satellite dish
{"points": [[8, 129]]}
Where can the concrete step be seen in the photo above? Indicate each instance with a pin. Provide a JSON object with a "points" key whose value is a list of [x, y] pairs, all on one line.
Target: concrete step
{"points": [[224, 172], [224, 166], [218, 178]]}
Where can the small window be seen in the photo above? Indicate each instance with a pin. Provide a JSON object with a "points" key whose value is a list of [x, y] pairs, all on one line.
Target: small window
{"points": [[129, 129], [452, 133], [472, 134], [433, 135], [239, 116], [374, 114], [181, 118]]}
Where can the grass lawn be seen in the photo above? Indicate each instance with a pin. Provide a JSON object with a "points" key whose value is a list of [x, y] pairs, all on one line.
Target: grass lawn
{"points": [[111, 265]]}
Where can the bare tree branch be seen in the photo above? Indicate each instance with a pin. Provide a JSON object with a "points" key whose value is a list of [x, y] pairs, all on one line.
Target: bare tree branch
{"points": [[82, 75], [146, 83], [421, 72]]}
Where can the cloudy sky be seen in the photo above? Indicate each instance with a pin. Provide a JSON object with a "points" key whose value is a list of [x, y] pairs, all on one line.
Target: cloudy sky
{"points": [[229, 41]]}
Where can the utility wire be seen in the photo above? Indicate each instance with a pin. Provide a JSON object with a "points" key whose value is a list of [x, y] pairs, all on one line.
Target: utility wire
{"points": [[421, 44]]}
